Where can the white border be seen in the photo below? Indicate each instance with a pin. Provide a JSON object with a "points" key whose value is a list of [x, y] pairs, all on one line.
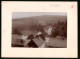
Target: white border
{"points": [[9, 7]]}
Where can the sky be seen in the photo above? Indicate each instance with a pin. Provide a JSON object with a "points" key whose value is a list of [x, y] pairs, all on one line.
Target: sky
{"points": [[28, 14]]}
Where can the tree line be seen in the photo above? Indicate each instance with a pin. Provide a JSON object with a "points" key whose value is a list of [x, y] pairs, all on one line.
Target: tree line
{"points": [[60, 29]]}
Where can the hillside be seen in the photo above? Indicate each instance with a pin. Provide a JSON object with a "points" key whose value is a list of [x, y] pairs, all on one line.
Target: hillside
{"points": [[28, 21]]}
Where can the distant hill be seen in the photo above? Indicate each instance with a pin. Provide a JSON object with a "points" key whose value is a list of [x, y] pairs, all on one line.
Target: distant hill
{"points": [[28, 21]]}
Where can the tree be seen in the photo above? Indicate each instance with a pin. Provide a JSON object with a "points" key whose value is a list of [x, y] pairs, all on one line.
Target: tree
{"points": [[16, 31], [60, 30]]}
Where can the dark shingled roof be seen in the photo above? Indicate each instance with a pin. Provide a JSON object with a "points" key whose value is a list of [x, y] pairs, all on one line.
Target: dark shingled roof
{"points": [[31, 36]]}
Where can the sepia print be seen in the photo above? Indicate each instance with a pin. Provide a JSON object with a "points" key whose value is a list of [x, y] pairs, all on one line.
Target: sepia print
{"points": [[39, 29]]}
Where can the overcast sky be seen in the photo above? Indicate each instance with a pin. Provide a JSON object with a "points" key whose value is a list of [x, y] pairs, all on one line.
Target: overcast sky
{"points": [[28, 14]]}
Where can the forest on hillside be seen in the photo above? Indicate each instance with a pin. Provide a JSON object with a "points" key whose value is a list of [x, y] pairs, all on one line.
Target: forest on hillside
{"points": [[59, 30]]}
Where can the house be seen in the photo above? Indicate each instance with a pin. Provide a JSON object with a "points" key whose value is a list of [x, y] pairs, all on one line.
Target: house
{"points": [[18, 40], [32, 44], [37, 35], [42, 36], [30, 36], [24, 37], [26, 42], [17, 43], [35, 43], [22, 40], [38, 41]]}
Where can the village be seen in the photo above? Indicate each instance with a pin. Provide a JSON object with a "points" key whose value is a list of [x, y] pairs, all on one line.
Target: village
{"points": [[39, 40], [40, 31]]}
